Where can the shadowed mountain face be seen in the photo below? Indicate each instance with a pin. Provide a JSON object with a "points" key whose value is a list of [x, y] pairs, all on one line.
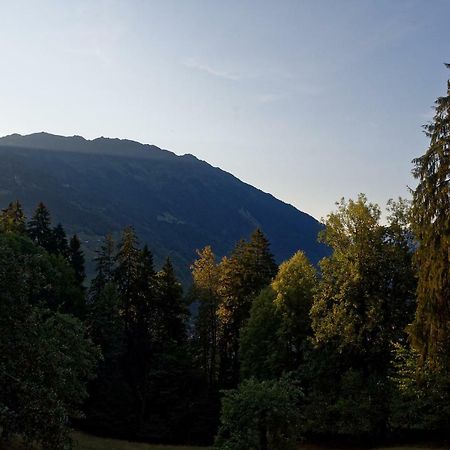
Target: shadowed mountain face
{"points": [[177, 204]]}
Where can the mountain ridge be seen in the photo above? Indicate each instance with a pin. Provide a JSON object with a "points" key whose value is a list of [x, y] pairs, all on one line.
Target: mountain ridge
{"points": [[176, 203]]}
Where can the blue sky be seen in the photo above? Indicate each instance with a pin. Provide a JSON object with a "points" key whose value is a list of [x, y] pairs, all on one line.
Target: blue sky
{"points": [[309, 100]]}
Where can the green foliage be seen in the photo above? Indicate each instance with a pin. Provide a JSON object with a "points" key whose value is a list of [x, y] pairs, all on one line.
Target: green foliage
{"points": [[262, 350], [60, 245], [363, 303], [294, 286], [367, 287], [45, 357], [430, 331], [243, 275], [76, 259], [12, 219], [146, 385], [205, 274], [104, 266], [105, 322], [420, 394], [172, 309], [39, 227], [273, 340], [260, 415]]}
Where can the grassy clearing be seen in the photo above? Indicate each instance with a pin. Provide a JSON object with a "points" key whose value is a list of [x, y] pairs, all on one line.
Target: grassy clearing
{"points": [[87, 442]]}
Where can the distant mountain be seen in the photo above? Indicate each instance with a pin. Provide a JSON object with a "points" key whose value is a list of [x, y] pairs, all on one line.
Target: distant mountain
{"points": [[177, 204]]}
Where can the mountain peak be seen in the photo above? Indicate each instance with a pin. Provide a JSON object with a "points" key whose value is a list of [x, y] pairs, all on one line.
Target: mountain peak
{"points": [[79, 144]]}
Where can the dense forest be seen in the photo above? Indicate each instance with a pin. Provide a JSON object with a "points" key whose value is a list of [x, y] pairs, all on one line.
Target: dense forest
{"points": [[252, 356]]}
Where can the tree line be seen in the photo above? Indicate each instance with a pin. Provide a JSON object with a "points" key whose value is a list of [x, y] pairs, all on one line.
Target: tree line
{"points": [[253, 355]]}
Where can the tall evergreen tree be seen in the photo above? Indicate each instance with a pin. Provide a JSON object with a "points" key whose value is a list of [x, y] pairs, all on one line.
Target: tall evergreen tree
{"points": [[134, 276], [76, 259], [170, 301], [126, 274], [430, 331], [12, 219], [59, 244], [104, 303], [39, 227], [104, 266], [260, 260]]}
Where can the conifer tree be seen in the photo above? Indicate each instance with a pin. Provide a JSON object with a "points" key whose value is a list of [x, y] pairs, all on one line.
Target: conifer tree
{"points": [[76, 259], [134, 277], [39, 227], [107, 402], [126, 274], [173, 311], [104, 302], [430, 331], [59, 243], [104, 266], [144, 326], [12, 219], [261, 261]]}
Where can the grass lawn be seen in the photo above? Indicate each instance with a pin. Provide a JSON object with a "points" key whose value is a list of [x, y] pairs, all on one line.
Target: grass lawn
{"points": [[87, 442]]}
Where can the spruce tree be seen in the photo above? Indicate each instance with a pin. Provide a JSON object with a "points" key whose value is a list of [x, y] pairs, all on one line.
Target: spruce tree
{"points": [[430, 331], [76, 259], [173, 311], [126, 274], [39, 227], [261, 261], [59, 244], [104, 266]]}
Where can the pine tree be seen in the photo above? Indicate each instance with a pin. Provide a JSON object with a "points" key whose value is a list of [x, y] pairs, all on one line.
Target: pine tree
{"points": [[127, 273], [76, 259], [59, 244], [173, 311], [39, 227], [104, 302], [134, 276], [146, 317], [12, 219], [104, 266], [430, 331], [261, 261]]}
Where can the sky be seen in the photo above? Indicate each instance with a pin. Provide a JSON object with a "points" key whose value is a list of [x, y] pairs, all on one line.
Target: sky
{"points": [[308, 100]]}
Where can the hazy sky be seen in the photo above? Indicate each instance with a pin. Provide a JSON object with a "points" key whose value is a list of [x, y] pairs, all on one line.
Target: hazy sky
{"points": [[309, 100]]}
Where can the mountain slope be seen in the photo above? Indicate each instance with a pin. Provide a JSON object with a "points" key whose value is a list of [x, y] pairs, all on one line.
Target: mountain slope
{"points": [[176, 203]]}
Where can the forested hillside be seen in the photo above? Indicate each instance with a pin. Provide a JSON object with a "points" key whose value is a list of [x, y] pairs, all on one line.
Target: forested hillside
{"points": [[177, 204]]}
